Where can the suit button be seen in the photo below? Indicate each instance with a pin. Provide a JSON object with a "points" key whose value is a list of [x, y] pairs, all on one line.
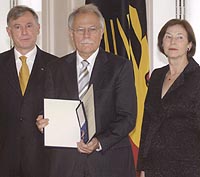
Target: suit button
{"points": [[21, 119]]}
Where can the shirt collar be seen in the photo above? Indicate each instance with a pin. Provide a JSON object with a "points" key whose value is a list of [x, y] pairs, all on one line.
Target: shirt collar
{"points": [[91, 59], [30, 55]]}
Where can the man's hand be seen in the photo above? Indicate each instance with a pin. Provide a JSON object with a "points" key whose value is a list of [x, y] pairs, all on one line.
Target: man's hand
{"points": [[89, 147], [41, 123]]}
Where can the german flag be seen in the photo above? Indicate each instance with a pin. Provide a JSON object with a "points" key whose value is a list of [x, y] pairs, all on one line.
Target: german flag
{"points": [[126, 35]]}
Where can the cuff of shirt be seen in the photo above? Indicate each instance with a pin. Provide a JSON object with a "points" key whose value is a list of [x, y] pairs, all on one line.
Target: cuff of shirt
{"points": [[99, 148]]}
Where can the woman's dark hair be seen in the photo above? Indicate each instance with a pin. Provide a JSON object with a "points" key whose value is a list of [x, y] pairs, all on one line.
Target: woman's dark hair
{"points": [[190, 33]]}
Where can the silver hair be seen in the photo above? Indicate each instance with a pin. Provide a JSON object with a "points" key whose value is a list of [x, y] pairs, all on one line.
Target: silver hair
{"points": [[88, 8]]}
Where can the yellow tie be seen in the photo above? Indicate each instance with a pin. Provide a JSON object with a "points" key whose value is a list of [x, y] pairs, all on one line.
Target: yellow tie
{"points": [[23, 74]]}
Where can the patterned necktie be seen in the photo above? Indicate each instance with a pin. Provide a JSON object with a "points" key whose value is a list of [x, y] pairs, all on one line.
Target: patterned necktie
{"points": [[83, 79], [23, 74], [83, 82]]}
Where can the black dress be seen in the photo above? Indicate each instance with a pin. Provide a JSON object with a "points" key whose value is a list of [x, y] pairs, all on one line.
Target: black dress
{"points": [[170, 140]]}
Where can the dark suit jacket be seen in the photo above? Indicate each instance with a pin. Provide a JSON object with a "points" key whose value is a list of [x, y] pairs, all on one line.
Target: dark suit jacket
{"points": [[21, 144], [170, 140], [115, 113]]}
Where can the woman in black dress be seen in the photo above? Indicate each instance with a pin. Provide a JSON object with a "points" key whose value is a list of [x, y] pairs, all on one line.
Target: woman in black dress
{"points": [[170, 140]]}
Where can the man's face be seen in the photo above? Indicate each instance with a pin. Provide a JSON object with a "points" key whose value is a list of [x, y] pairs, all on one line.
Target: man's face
{"points": [[24, 31], [86, 34]]}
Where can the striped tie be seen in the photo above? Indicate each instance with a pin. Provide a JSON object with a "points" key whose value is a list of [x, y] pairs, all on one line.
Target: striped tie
{"points": [[83, 80], [23, 74]]}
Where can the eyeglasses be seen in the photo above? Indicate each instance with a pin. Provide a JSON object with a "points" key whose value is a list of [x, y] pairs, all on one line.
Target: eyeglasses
{"points": [[90, 30]]}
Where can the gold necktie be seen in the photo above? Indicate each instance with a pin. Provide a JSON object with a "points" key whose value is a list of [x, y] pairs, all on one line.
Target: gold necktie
{"points": [[23, 74]]}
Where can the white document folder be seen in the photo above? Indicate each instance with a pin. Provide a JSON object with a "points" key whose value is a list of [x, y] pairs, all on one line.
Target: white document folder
{"points": [[63, 129], [65, 120]]}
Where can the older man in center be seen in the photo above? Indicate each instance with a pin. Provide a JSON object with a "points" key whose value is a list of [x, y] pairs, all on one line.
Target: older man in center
{"points": [[109, 152]]}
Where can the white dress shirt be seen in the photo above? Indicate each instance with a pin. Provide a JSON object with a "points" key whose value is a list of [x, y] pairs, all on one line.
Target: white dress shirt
{"points": [[30, 59], [91, 61]]}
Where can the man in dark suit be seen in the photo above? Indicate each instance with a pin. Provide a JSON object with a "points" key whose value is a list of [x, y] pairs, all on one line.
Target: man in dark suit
{"points": [[21, 144], [109, 152]]}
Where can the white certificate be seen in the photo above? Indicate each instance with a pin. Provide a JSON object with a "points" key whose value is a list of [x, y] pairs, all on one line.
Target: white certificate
{"points": [[63, 129]]}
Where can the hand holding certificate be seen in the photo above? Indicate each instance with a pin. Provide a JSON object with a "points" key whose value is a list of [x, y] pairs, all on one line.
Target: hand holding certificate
{"points": [[65, 119]]}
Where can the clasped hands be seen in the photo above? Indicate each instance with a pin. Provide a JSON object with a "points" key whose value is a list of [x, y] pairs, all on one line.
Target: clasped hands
{"points": [[81, 146]]}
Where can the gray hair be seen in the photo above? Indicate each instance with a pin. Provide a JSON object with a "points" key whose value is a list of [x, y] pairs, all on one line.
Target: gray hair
{"points": [[88, 8], [18, 11]]}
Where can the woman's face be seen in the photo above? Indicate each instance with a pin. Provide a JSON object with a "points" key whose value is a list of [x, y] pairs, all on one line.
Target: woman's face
{"points": [[175, 42]]}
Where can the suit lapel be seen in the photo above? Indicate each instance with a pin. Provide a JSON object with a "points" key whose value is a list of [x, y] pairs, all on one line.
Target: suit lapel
{"points": [[99, 69], [70, 75], [36, 73], [69, 70], [11, 72]]}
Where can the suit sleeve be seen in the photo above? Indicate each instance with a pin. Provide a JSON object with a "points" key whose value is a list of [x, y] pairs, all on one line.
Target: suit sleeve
{"points": [[125, 105]]}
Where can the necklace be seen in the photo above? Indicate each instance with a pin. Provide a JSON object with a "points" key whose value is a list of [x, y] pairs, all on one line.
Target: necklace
{"points": [[170, 77]]}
